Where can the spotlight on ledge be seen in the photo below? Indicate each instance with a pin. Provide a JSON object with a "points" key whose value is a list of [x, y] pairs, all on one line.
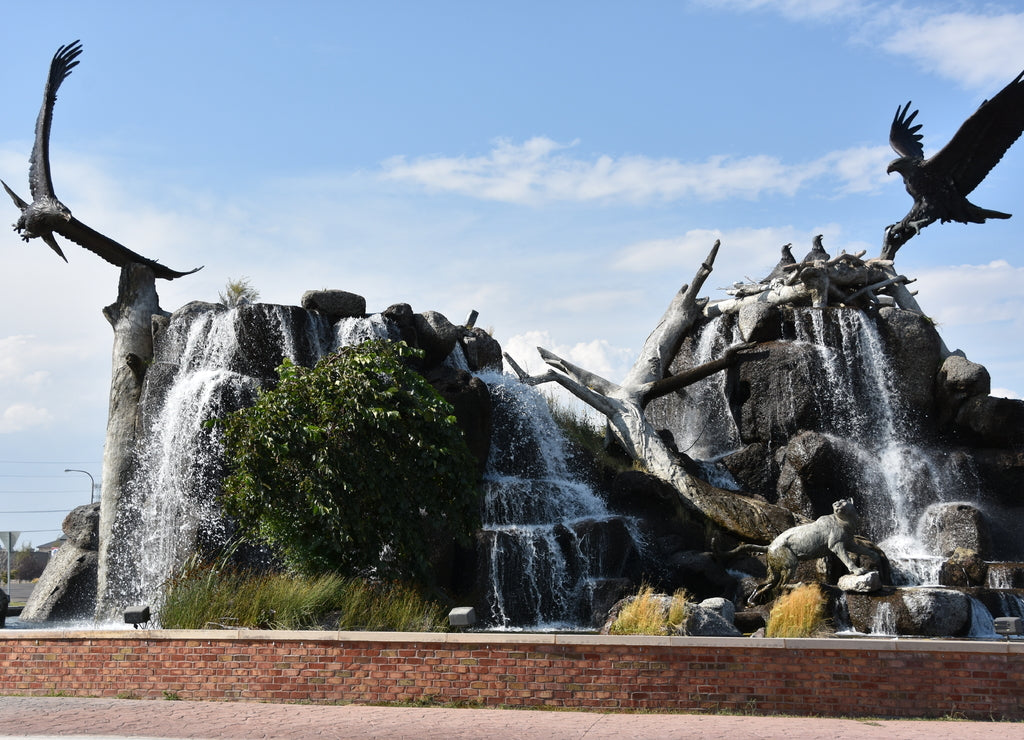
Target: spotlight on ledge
{"points": [[462, 616], [136, 616], [1008, 626]]}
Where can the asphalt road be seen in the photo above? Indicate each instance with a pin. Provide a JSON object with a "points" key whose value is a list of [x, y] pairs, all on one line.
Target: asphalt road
{"points": [[20, 591]]}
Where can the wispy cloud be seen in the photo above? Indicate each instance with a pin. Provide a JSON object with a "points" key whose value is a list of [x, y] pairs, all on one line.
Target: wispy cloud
{"points": [[541, 170], [977, 50], [22, 416], [815, 10], [965, 295], [746, 253], [598, 356]]}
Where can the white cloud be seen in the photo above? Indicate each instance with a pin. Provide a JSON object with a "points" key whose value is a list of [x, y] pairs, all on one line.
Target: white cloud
{"points": [[744, 253], [963, 295], [860, 169], [21, 416], [24, 359], [541, 170], [979, 51], [1005, 393], [598, 355], [797, 10]]}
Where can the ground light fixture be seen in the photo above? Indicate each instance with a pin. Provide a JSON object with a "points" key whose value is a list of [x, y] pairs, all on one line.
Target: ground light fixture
{"points": [[136, 616], [1008, 626]]}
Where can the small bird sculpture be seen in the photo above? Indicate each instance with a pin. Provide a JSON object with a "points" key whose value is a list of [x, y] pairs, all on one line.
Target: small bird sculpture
{"points": [[817, 251], [46, 215], [779, 270]]}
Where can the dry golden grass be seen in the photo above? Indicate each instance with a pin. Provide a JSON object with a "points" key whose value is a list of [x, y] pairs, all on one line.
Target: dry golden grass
{"points": [[649, 614], [800, 613]]}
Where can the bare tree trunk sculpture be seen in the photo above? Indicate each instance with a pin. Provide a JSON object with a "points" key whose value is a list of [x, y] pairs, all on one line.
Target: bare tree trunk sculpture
{"points": [[131, 318], [623, 404]]}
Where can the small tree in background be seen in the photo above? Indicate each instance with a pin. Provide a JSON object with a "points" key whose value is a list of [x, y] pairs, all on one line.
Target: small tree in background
{"points": [[353, 466], [238, 292], [28, 564]]}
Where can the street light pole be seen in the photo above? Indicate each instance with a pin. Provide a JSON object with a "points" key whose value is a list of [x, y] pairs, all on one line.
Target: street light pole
{"points": [[92, 482]]}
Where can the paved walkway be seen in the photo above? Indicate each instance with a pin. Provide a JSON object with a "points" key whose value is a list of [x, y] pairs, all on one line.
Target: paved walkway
{"points": [[37, 717]]}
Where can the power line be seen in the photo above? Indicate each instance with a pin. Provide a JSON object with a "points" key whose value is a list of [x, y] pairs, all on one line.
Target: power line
{"points": [[41, 511], [70, 490], [50, 462], [64, 477], [35, 531]]}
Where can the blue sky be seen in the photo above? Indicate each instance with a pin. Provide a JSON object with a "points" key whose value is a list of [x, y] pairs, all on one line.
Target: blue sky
{"points": [[560, 167]]}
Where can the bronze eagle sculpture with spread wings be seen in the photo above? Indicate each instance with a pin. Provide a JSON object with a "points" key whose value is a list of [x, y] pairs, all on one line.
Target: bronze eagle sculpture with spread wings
{"points": [[46, 215], [941, 183]]}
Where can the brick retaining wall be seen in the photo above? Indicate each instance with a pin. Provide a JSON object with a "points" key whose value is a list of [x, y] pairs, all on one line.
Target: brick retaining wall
{"points": [[827, 677]]}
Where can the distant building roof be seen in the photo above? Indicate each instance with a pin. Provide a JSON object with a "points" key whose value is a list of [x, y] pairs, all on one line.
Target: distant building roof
{"points": [[53, 545]]}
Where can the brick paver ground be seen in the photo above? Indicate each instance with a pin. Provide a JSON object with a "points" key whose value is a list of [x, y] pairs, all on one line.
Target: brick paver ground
{"points": [[123, 718]]}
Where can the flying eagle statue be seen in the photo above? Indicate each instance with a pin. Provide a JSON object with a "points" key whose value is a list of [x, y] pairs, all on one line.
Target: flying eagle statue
{"points": [[45, 215], [940, 184]]}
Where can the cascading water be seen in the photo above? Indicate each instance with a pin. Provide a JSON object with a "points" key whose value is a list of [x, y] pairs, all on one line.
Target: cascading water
{"points": [[209, 361], [898, 477], [884, 621], [706, 430], [547, 537], [840, 361], [982, 623], [550, 539]]}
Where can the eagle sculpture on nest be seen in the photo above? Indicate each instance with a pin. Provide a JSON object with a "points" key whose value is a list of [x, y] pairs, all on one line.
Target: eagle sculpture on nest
{"points": [[940, 184], [45, 215]]}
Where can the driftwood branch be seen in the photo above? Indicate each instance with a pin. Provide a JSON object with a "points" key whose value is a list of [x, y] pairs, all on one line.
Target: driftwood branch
{"points": [[663, 343], [818, 284], [659, 388], [623, 406]]}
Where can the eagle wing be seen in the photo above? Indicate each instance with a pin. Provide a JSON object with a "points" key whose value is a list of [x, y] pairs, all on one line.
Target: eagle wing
{"points": [[40, 183], [983, 139], [903, 136], [112, 251]]}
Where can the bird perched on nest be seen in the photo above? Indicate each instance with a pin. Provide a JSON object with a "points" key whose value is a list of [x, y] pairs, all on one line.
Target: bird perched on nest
{"points": [[779, 270], [46, 215], [940, 184], [817, 251]]}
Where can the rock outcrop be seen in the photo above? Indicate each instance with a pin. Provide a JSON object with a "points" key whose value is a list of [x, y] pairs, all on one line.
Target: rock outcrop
{"points": [[67, 589]]}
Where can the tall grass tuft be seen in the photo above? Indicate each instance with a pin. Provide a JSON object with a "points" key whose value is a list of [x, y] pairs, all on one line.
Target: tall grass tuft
{"points": [[649, 613], [800, 613], [585, 433], [206, 596]]}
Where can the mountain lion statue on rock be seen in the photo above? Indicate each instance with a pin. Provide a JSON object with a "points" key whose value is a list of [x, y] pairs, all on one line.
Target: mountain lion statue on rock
{"points": [[830, 534]]}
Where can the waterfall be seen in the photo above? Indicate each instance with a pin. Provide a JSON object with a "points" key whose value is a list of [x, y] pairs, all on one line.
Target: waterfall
{"points": [[548, 540], [861, 412], [858, 394], [1011, 604], [883, 621], [547, 537], [208, 362], [982, 624], [703, 426]]}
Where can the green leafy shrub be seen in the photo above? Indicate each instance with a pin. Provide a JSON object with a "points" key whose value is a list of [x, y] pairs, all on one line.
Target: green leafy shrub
{"points": [[354, 466]]}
